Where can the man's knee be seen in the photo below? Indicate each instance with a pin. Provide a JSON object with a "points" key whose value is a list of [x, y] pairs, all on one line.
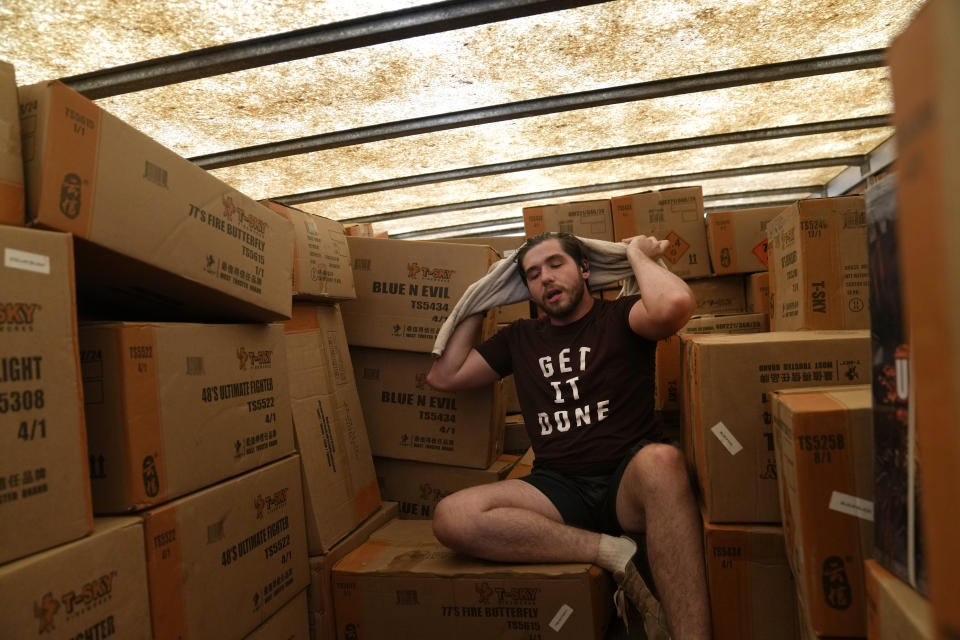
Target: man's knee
{"points": [[659, 466], [451, 522]]}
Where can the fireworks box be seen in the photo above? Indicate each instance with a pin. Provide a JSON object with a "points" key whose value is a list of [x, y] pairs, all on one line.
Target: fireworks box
{"points": [[11, 161], [757, 292], [174, 407], [44, 483], [292, 622], [403, 583], [586, 219], [222, 560], [738, 239], [723, 294], [160, 238], [671, 214]]}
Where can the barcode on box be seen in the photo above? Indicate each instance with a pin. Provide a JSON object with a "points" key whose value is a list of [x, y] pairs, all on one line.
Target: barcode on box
{"points": [[407, 597], [153, 173], [361, 264], [195, 366], [566, 226], [656, 217]]}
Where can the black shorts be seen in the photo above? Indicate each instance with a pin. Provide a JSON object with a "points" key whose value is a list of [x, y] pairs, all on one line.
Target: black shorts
{"points": [[586, 502]]}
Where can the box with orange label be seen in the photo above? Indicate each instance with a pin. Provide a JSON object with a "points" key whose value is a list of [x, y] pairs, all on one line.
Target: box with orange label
{"points": [[722, 294], [819, 274], [824, 445], [738, 239], [751, 588], [11, 161], [44, 481], [162, 238], [406, 289], [587, 219], [321, 258], [222, 560], [95, 587], [174, 407], [339, 480], [292, 622], [408, 419], [672, 214], [402, 583]]}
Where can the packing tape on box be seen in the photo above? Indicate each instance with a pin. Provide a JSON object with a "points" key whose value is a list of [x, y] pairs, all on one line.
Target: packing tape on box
{"points": [[852, 505], [726, 438]]}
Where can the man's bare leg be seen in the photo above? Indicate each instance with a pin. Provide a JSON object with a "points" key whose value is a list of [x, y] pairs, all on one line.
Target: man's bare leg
{"points": [[510, 521], [655, 496]]}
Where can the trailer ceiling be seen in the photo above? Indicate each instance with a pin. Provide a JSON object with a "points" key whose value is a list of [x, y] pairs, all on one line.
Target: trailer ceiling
{"points": [[599, 75]]}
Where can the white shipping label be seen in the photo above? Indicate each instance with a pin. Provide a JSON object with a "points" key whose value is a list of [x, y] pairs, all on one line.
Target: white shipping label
{"points": [[727, 438], [26, 261], [560, 619], [852, 505]]}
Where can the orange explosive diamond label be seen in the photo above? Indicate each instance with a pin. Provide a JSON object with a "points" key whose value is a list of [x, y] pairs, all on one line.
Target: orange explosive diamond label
{"points": [[761, 251], [678, 247]]}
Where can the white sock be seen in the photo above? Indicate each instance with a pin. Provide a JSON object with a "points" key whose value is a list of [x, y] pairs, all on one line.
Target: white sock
{"points": [[614, 553]]}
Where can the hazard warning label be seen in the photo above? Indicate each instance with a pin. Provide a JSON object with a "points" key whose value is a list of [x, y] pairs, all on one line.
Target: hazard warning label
{"points": [[678, 247]]}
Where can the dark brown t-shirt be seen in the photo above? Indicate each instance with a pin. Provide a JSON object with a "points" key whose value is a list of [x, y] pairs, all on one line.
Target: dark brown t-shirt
{"points": [[586, 388]]}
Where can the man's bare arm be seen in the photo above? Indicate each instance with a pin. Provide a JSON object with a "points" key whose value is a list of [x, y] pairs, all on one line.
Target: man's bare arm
{"points": [[461, 366], [667, 302]]}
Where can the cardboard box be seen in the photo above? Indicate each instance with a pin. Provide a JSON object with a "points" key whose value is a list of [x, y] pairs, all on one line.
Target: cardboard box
{"points": [[737, 240], [728, 380], [586, 219], [95, 587], [923, 65], [339, 480], [11, 160], [164, 238], [516, 440], [320, 593], [322, 270], [757, 291], [419, 486], [359, 229], [292, 622], [671, 214], [668, 356], [44, 486], [223, 560], [894, 610], [405, 290], [824, 445], [898, 540], [174, 407], [819, 276], [723, 294], [404, 583], [750, 585], [409, 420], [516, 311], [505, 246], [523, 467]]}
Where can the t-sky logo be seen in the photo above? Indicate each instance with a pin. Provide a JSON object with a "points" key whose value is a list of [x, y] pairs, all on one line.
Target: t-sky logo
{"points": [[89, 595]]}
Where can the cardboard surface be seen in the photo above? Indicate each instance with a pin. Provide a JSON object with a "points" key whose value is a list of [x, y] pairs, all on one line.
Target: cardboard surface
{"points": [[757, 290], [406, 289], [516, 440], [505, 246], [11, 161], [671, 214], [322, 269], [223, 560], [728, 380], [95, 587], [751, 588], [409, 420], [44, 483], [924, 65], [165, 239], [339, 481], [292, 622], [403, 583], [585, 219], [174, 407], [723, 294], [320, 593], [418, 486], [819, 275], [894, 610], [824, 445], [737, 240]]}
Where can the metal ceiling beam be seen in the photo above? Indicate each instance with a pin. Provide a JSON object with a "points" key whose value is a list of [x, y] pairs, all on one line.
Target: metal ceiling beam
{"points": [[555, 104], [312, 41], [518, 220], [649, 148]]}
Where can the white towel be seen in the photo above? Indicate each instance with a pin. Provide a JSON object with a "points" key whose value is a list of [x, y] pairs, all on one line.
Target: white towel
{"points": [[504, 285]]}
